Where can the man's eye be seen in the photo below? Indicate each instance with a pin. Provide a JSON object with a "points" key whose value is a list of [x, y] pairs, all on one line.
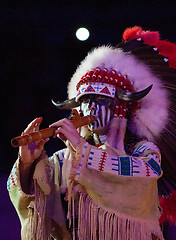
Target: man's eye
{"points": [[101, 100], [101, 97], [84, 100]]}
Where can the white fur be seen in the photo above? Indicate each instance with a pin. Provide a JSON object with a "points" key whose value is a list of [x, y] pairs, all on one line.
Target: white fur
{"points": [[150, 119]]}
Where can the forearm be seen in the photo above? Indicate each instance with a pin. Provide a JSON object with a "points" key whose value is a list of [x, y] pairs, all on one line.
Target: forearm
{"points": [[26, 176], [26, 172], [19, 198], [147, 164]]}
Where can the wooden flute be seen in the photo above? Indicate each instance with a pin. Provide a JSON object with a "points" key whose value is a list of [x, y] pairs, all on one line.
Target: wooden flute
{"points": [[49, 132]]}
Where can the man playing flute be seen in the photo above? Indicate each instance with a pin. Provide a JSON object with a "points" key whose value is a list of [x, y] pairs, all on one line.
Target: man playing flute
{"points": [[109, 170]]}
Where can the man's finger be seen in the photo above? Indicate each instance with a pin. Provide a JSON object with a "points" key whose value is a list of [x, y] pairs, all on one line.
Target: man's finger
{"points": [[33, 126], [42, 142]]}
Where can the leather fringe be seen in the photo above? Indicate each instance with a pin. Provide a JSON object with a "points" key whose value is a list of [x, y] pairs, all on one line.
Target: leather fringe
{"points": [[37, 226], [95, 223]]}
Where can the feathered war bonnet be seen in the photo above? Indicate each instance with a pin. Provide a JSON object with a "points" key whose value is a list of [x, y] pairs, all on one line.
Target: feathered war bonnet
{"points": [[139, 61], [159, 57]]}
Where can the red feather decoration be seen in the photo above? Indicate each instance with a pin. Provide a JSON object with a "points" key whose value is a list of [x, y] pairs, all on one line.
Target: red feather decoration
{"points": [[167, 142], [149, 38], [169, 209], [165, 47], [168, 49]]}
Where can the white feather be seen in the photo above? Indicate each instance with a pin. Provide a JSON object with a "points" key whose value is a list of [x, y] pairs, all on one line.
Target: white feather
{"points": [[151, 118]]}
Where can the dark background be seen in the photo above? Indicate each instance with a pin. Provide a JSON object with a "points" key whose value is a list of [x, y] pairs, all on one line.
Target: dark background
{"points": [[39, 52]]}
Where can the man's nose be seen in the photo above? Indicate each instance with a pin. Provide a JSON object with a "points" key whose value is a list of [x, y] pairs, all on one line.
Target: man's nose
{"points": [[92, 106]]}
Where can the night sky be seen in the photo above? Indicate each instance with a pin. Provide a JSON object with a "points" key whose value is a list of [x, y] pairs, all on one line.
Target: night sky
{"points": [[39, 52]]}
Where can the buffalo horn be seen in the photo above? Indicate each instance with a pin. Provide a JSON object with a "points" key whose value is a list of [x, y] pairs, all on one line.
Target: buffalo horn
{"points": [[67, 104], [133, 96]]}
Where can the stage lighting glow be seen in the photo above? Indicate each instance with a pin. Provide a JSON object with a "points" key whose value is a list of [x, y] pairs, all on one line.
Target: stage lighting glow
{"points": [[82, 34]]}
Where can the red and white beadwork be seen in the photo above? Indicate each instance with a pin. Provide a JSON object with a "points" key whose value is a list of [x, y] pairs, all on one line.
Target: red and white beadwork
{"points": [[102, 82], [96, 88], [145, 162], [106, 83], [12, 180]]}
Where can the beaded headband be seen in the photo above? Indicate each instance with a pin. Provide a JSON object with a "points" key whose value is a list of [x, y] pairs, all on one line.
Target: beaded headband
{"points": [[102, 82], [106, 83]]}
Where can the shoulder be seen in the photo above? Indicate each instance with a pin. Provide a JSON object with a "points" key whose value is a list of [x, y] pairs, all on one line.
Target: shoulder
{"points": [[145, 148]]}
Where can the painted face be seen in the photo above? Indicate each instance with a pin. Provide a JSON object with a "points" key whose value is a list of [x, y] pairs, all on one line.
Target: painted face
{"points": [[100, 106]]}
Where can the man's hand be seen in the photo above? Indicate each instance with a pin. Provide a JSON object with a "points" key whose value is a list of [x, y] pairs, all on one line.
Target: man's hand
{"points": [[29, 154], [66, 131], [116, 134], [32, 151]]}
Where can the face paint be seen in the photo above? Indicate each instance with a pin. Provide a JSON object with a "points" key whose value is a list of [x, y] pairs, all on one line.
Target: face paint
{"points": [[100, 106]]}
